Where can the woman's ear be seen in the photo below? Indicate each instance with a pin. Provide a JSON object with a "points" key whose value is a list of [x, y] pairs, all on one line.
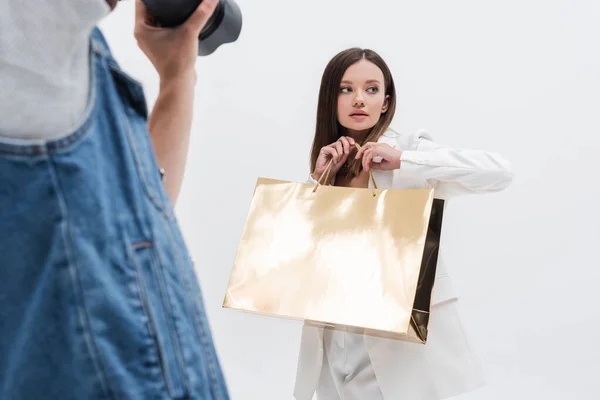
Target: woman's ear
{"points": [[386, 104]]}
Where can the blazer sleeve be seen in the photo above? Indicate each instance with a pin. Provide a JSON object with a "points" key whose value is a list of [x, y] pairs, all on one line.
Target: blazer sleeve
{"points": [[454, 172]]}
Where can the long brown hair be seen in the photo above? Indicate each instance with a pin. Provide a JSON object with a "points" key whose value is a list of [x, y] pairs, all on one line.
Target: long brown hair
{"points": [[328, 129]]}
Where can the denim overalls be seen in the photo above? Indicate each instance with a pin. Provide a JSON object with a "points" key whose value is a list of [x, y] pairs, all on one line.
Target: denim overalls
{"points": [[98, 295]]}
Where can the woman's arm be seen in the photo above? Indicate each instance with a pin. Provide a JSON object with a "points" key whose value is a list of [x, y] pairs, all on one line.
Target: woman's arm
{"points": [[456, 171], [450, 171]]}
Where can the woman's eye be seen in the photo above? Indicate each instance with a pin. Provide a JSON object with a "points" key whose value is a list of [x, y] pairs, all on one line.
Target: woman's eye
{"points": [[345, 90], [372, 89]]}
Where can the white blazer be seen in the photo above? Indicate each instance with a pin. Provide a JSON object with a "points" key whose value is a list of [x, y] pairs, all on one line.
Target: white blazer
{"points": [[445, 366]]}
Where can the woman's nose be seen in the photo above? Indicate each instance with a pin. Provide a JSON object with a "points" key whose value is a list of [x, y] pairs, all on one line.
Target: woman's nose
{"points": [[358, 99]]}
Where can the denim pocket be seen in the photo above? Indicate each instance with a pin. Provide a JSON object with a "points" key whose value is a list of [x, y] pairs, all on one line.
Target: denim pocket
{"points": [[155, 301]]}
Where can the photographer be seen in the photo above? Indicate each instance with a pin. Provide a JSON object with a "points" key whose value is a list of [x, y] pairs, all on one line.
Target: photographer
{"points": [[99, 296]]}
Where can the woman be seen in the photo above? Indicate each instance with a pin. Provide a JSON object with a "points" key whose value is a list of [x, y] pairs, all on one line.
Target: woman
{"points": [[357, 102]]}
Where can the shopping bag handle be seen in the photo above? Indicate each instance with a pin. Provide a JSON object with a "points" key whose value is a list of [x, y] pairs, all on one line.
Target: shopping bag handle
{"points": [[328, 171]]}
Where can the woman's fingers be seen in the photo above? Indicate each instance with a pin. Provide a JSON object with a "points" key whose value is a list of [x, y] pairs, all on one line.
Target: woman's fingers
{"points": [[332, 152], [368, 158], [346, 144], [364, 148]]}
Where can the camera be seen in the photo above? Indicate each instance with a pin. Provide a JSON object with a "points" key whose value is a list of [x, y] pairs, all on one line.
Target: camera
{"points": [[224, 25]]}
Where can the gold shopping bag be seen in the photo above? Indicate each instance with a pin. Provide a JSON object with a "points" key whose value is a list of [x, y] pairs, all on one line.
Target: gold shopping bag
{"points": [[362, 259]]}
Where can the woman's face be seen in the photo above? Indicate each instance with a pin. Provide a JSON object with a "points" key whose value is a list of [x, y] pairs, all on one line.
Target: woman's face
{"points": [[362, 97]]}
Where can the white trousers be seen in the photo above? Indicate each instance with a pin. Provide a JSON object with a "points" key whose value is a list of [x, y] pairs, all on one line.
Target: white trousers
{"points": [[347, 372]]}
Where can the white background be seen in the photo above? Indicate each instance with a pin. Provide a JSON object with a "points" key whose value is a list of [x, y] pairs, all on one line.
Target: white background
{"points": [[518, 77]]}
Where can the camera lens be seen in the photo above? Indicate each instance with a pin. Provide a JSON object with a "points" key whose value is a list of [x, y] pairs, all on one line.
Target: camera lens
{"points": [[213, 23], [224, 25]]}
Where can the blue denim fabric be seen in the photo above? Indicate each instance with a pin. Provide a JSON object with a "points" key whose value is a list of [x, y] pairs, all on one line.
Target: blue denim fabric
{"points": [[98, 295]]}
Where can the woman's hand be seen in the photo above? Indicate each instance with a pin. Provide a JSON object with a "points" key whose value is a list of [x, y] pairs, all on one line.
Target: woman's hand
{"points": [[172, 51], [339, 151], [390, 156]]}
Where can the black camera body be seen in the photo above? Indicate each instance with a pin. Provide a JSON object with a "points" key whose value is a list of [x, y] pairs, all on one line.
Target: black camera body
{"points": [[224, 26]]}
